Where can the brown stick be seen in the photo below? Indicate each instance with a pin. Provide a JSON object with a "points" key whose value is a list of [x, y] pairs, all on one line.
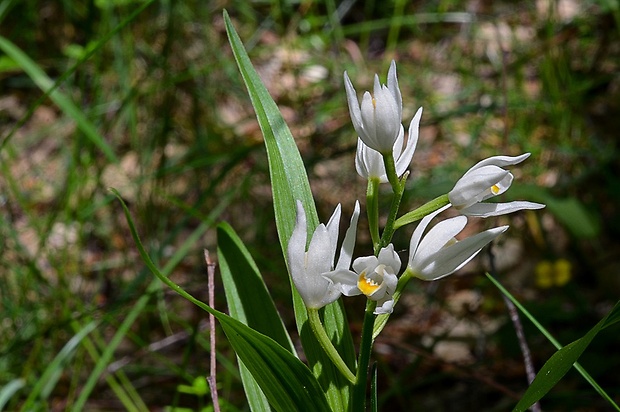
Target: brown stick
{"points": [[530, 371], [212, 370]]}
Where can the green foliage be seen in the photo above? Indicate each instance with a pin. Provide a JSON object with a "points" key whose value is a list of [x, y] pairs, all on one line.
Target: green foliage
{"points": [[286, 382], [290, 183], [565, 358], [249, 302], [45, 84], [146, 97]]}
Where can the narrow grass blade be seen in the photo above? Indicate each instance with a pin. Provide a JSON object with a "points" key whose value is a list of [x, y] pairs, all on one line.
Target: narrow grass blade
{"points": [[118, 382], [566, 357], [7, 392], [46, 383], [289, 183], [138, 308], [40, 78], [287, 383], [87, 55]]}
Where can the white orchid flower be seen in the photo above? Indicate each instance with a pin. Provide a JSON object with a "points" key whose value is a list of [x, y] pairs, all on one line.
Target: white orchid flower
{"points": [[377, 120], [439, 254], [484, 180], [372, 276], [307, 267], [369, 162]]}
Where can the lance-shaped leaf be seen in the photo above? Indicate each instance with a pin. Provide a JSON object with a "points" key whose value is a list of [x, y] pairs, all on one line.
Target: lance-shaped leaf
{"points": [[249, 302], [287, 383], [289, 183]]}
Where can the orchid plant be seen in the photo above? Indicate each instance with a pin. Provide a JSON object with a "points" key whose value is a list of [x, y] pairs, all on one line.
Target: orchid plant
{"points": [[322, 274]]}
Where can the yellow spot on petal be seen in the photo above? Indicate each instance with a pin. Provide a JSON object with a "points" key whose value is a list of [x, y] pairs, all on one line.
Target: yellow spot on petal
{"points": [[374, 102], [495, 189], [366, 285]]}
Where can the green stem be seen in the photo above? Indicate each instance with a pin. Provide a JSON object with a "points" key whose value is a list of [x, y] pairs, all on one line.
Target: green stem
{"points": [[398, 187], [319, 332], [372, 211], [381, 320], [422, 211], [358, 400], [390, 169], [388, 230]]}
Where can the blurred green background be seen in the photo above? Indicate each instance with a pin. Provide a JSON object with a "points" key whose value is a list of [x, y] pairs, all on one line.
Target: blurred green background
{"points": [[149, 101]]}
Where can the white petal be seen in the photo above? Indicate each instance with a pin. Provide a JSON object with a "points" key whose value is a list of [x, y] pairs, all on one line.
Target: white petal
{"points": [[454, 257], [501, 161], [365, 264], [369, 162], [331, 295], [385, 306], [497, 209], [296, 250], [503, 185], [313, 286], [392, 84], [436, 238], [391, 281], [348, 244], [369, 131], [345, 281], [387, 121], [404, 159], [419, 231], [471, 188], [397, 149], [388, 257], [333, 226], [354, 105]]}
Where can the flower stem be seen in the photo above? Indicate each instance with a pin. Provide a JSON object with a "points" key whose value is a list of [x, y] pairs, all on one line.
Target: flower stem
{"points": [[319, 332], [422, 211], [358, 395], [372, 211], [381, 320], [398, 186], [390, 169]]}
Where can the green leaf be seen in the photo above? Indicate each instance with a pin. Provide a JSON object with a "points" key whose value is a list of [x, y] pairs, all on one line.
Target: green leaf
{"points": [[249, 302], [374, 402], [557, 366], [289, 183], [44, 83], [287, 383]]}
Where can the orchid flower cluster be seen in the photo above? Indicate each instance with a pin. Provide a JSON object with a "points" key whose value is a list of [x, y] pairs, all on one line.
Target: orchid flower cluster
{"points": [[383, 156]]}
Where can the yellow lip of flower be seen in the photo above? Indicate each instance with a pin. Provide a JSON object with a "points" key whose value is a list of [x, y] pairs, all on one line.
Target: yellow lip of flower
{"points": [[495, 189], [367, 285]]}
